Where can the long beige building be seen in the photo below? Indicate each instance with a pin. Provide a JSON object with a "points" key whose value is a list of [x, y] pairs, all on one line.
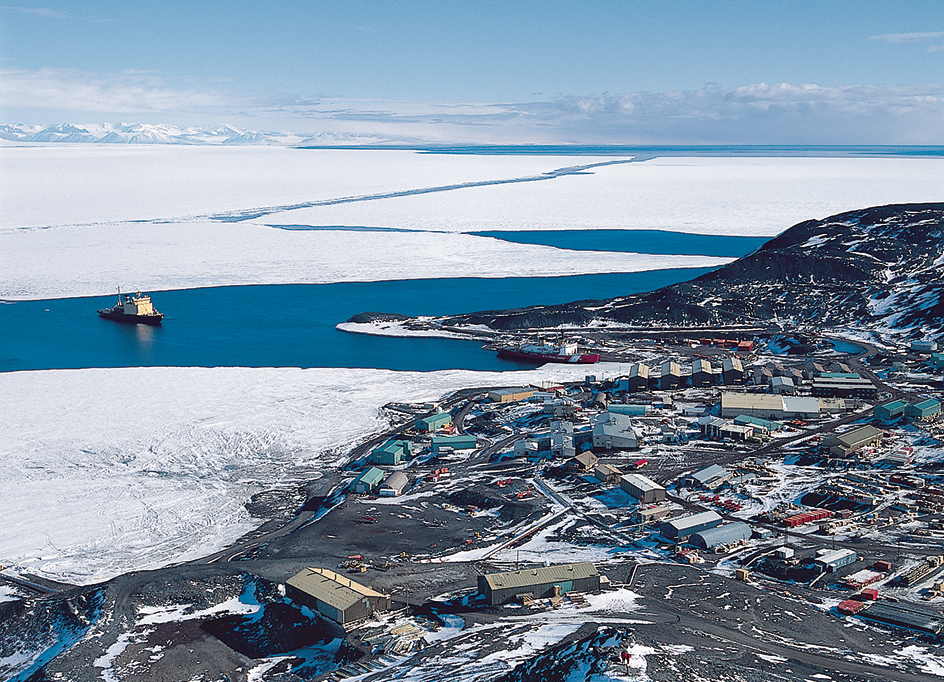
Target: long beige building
{"points": [[769, 406], [335, 596]]}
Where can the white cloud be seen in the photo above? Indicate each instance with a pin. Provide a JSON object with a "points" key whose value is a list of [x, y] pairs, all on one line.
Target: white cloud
{"points": [[37, 11], [758, 113], [916, 37], [127, 92]]}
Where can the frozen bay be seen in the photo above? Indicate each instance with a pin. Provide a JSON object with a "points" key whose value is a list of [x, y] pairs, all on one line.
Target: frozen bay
{"points": [[79, 220]]}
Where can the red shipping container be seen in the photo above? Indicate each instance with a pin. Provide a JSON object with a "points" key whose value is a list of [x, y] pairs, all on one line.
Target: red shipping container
{"points": [[883, 566], [850, 606], [871, 594]]}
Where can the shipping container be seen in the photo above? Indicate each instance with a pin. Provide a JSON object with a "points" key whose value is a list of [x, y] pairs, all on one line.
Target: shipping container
{"points": [[850, 607]]}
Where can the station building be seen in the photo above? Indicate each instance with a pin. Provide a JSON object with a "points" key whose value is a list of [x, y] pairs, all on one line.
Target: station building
{"points": [[539, 583], [368, 481], [761, 425], [335, 596], [845, 444], [458, 442], [613, 431], [782, 385], [702, 373], [642, 488], [711, 477], [889, 411], [770, 406], [671, 377], [844, 386], [923, 346], [924, 409], [607, 473], [433, 422], [638, 378], [732, 371], [832, 559], [510, 395], [682, 528], [391, 453], [727, 534], [629, 410], [395, 484]]}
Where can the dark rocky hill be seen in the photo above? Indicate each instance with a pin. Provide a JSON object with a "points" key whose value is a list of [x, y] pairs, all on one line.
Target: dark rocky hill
{"points": [[878, 267]]}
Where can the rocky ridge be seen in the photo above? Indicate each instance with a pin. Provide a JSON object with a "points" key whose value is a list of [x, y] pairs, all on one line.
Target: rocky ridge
{"points": [[878, 267]]}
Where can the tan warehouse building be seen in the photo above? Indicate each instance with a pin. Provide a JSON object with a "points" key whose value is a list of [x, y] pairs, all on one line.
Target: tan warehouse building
{"points": [[335, 596]]}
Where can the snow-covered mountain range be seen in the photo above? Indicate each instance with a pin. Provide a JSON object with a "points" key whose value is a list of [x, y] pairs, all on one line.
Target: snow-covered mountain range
{"points": [[145, 133]]}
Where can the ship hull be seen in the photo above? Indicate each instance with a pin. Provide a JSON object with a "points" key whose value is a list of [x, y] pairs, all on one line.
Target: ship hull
{"points": [[118, 316], [576, 359]]}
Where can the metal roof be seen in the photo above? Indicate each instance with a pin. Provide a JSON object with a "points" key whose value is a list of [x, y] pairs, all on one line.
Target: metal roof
{"points": [[835, 555], [906, 616], [642, 483], [801, 403], [895, 405], [701, 366], [540, 576], [331, 588], [372, 476], [752, 401], [686, 522], [930, 403], [710, 472], [863, 434], [723, 535], [512, 391], [397, 481]]}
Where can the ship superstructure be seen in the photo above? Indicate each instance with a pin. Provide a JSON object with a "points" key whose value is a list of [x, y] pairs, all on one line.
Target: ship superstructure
{"points": [[133, 309]]}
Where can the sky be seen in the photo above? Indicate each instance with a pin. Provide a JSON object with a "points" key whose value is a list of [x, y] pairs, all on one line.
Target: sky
{"points": [[597, 71]]}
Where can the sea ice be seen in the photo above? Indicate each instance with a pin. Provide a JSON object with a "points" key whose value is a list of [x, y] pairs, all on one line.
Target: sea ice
{"points": [[91, 260], [114, 470]]}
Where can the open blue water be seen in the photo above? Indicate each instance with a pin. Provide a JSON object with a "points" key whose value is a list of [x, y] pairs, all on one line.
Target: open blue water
{"points": [[635, 241], [289, 325]]}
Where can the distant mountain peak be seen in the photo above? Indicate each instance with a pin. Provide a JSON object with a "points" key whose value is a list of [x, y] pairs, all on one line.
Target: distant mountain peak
{"points": [[152, 133]]}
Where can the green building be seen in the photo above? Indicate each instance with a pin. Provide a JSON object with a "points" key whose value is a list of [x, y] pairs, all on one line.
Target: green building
{"points": [[434, 422], [391, 453], [924, 409], [368, 481], [889, 411], [459, 442], [748, 420]]}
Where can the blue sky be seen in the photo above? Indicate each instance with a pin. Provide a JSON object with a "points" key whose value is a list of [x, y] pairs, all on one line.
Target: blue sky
{"points": [[621, 72]]}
